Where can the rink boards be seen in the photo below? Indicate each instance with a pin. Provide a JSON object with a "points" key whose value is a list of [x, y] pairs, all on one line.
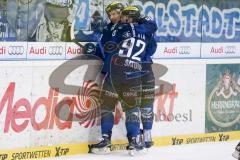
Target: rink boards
{"points": [[203, 106], [81, 148]]}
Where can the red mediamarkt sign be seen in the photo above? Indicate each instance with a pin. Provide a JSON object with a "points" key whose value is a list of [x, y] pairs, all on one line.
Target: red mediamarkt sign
{"points": [[28, 115], [89, 118]]}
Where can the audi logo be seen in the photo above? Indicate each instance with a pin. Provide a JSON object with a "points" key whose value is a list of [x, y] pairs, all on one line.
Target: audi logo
{"points": [[184, 50], [55, 50], [15, 50], [230, 50]]}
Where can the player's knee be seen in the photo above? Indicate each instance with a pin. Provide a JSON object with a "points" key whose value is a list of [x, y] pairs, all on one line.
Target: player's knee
{"points": [[147, 114], [133, 115], [147, 117]]}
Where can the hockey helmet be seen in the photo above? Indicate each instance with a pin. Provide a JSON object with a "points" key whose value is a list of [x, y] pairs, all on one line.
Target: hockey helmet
{"points": [[114, 6]]}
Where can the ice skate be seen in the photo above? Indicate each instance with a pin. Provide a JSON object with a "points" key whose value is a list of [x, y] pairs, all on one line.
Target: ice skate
{"points": [[103, 147], [133, 146], [146, 140]]}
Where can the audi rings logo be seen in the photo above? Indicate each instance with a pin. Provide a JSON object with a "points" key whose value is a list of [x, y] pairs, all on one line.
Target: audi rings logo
{"points": [[230, 49], [15, 50], [184, 50], [55, 50]]}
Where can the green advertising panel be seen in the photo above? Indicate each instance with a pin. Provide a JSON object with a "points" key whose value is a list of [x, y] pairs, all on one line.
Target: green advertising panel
{"points": [[222, 97]]}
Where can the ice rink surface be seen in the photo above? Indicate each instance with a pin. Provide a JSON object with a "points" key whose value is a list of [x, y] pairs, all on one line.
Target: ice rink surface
{"points": [[200, 151]]}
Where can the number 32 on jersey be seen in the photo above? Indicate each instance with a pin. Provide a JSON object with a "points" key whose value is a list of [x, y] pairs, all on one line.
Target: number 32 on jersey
{"points": [[132, 48]]}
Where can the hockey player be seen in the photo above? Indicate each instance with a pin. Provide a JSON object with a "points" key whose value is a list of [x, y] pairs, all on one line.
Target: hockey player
{"points": [[147, 84], [148, 94], [108, 96], [121, 34], [236, 153]]}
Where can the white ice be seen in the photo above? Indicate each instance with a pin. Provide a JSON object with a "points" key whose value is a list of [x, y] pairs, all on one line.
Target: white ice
{"points": [[200, 151]]}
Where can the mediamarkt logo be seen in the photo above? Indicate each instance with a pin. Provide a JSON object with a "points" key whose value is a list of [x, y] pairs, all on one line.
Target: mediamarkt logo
{"points": [[87, 111], [224, 100], [82, 108]]}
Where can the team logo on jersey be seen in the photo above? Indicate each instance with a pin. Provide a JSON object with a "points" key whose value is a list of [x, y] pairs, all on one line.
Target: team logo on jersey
{"points": [[223, 103]]}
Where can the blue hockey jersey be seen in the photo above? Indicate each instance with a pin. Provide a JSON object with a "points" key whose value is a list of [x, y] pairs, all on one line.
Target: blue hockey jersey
{"points": [[134, 41], [106, 37]]}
